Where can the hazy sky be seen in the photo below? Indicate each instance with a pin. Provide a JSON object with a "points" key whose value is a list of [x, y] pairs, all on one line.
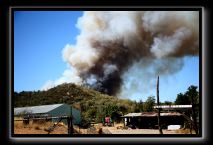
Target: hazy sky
{"points": [[39, 38]]}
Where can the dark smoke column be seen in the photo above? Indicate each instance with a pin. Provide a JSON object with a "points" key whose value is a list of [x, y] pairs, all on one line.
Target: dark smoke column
{"points": [[111, 42]]}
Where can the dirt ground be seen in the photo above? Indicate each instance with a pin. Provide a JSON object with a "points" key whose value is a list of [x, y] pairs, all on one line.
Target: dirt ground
{"points": [[38, 128], [113, 130], [119, 129], [41, 128]]}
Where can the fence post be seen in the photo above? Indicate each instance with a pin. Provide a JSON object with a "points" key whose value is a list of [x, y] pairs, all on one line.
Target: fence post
{"points": [[70, 125], [26, 120]]}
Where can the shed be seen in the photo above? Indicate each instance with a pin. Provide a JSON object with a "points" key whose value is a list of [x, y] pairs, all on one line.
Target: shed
{"points": [[54, 110], [150, 120]]}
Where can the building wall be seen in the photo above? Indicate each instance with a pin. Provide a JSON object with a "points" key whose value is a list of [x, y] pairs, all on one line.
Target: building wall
{"points": [[76, 116], [65, 110]]}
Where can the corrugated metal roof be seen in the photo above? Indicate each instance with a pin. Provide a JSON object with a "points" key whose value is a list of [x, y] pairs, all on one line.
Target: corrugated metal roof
{"points": [[151, 114], [133, 114], [36, 109], [173, 106], [170, 114]]}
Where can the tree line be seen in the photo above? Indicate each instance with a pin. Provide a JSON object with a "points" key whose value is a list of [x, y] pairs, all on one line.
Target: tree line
{"points": [[95, 106]]}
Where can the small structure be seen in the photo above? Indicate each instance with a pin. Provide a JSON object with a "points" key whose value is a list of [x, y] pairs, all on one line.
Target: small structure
{"points": [[150, 119], [185, 110], [54, 110]]}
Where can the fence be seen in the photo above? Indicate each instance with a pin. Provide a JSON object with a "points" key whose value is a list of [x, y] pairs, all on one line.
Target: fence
{"points": [[26, 120]]}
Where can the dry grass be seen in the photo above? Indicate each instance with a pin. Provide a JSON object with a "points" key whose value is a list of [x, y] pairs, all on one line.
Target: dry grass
{"points": [[119, 126], [41, 128], [184, 131], [37, 128]]}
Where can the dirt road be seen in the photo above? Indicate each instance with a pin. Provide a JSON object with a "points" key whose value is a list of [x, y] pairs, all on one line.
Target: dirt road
{"points": [[113, 130]]}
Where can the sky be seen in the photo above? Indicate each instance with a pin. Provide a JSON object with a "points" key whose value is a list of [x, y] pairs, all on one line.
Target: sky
{"points": [[39, 38], [177, 83]]}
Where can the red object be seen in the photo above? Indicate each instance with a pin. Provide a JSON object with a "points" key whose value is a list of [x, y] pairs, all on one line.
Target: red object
{"points": [[107, 119]]}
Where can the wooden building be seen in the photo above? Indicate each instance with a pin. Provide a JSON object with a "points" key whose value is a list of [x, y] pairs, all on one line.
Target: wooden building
{"points": [[150, 119]]}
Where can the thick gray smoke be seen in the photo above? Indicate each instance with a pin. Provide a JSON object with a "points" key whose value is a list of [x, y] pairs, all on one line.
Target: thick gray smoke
{"points": [[111, 43]]}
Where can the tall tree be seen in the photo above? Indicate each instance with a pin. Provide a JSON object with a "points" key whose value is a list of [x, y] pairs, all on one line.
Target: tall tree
{"points": [[148, 105], [182, 99], [191, 96]]}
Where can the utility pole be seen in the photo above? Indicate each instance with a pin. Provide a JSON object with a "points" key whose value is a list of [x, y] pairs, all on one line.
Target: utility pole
{"points": [[158, 104]]}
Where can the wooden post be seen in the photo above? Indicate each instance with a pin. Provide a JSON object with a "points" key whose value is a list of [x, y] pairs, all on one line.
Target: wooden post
{"points": [[70, 125], [158, 104], [26, 120]]}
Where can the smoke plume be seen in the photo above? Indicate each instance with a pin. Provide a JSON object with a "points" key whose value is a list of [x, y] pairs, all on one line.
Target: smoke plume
{"points": [[111, 43]]}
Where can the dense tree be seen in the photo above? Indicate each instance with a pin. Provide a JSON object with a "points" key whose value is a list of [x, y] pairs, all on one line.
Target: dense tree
{"points": [[95, 105], [182, 99], [191, 96], [149, 104], [168, 103], [123, 109], [139, 106]]}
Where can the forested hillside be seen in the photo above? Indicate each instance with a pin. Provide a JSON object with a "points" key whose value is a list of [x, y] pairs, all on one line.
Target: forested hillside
{"points": [[93, 105]]}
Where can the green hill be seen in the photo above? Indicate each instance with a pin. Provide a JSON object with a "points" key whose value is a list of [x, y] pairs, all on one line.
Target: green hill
{"points": [[93, 104], [65, 93]]}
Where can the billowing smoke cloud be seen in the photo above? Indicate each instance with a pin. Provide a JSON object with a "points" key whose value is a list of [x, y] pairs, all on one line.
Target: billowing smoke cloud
{"points": [[69, 76], [112, 43]]}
